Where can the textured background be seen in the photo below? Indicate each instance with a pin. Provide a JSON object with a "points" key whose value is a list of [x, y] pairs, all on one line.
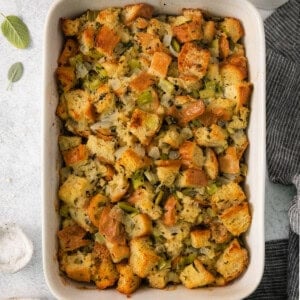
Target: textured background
{"points": [[20, 152]]}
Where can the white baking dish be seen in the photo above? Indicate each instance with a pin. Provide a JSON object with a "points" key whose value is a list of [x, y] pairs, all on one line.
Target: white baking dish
{"points": [[255, 49]]}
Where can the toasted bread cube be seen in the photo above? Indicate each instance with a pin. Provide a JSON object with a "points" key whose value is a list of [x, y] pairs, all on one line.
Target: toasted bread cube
{"points": [[211, 164], [196, 276], [106, 40], [240, 93], [79, 106], [224, 48], [109, 16], [172, 137], [143, 200], [141, 82], [68, 142], [221, 108], [87, 39], [117, 187], [70, 49], [233, 261], [231, 74], [191, 111], [215, 137], [94, 208], [219, 233], [191, 155], [66, 77], [160, 64], [132, 12], [62, 109], [105, 272], [193, 14], [236, 218], [75, 155], [188, 32], [142, 257], [192, 177], [228, 195], [233, 28], [193, 60], [80, 128], [150, 43], [131, 161], [80, 216], [117, 252], [70, 27], [239, 61], [170, 215], [73, 188], [239, 121], [72, 237], [209, 31], [78, 266], [200, 238], [167, 170], [128, 282], [142, 226], [230, 163], [144, 125], [104, 150], [158, 279]]}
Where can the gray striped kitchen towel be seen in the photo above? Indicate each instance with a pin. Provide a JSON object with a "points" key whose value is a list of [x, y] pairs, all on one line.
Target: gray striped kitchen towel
{"points": [[281, 276]]}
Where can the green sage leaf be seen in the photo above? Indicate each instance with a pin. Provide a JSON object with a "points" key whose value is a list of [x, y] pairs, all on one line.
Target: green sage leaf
{"points": [[15, 73], [16, 31]]}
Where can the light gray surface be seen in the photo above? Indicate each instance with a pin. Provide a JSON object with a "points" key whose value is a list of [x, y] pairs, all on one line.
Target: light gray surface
{"points": [[20, 150]]}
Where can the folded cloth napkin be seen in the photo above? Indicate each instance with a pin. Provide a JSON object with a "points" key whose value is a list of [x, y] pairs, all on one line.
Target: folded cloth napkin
{"points": [[282, 28]]}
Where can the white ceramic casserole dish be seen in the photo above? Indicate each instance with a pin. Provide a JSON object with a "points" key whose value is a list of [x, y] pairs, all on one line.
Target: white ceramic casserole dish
{"points": [[254, 42]]}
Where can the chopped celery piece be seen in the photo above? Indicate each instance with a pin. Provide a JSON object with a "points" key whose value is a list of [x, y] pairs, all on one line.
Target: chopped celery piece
{"points": [[92, 15], [159, 197], [166, 86], [215, 47], [210, 85], [164, 264], [207, 93], [92, 84], [134, 64], [210, 212], [137, 179], [195, 94], [175, 45], [144, 98], [99, 238], [64, 211], [127, 208], [211, 189], [75, 60]]}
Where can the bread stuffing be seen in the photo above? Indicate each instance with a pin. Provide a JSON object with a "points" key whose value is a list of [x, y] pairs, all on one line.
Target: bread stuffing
{"points": [[154, 111]]}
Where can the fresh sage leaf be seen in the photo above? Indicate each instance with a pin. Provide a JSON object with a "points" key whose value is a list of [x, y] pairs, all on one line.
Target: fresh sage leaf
{"points": [[15, 73], [16, 31]]}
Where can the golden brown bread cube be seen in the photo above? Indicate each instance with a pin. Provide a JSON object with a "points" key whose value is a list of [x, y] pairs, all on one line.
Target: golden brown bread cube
{"points": [[196, 275], [141, 82], [73, 188], [224, 49], [208, 31], [70, 27], [200, 238], [104, 150], [68, 142], [233, 261], [117, 187], [70, 49], [158, 279], [150, 43], [167, 170], [117, 252], [193, 60], [72, 237], [79, 106], [128, 282], [66, 77], [144, 125], [228, 195], [188, 32], [211, 165], [142, 257], [191, 155], [229, 162], [132, 12], [75, 155], [236, 218], [77, 266], [95, 206], [80, 216], [142, 226], [215, 136], [159, 64], [106, 40], [192, 178], [233, 28]]}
